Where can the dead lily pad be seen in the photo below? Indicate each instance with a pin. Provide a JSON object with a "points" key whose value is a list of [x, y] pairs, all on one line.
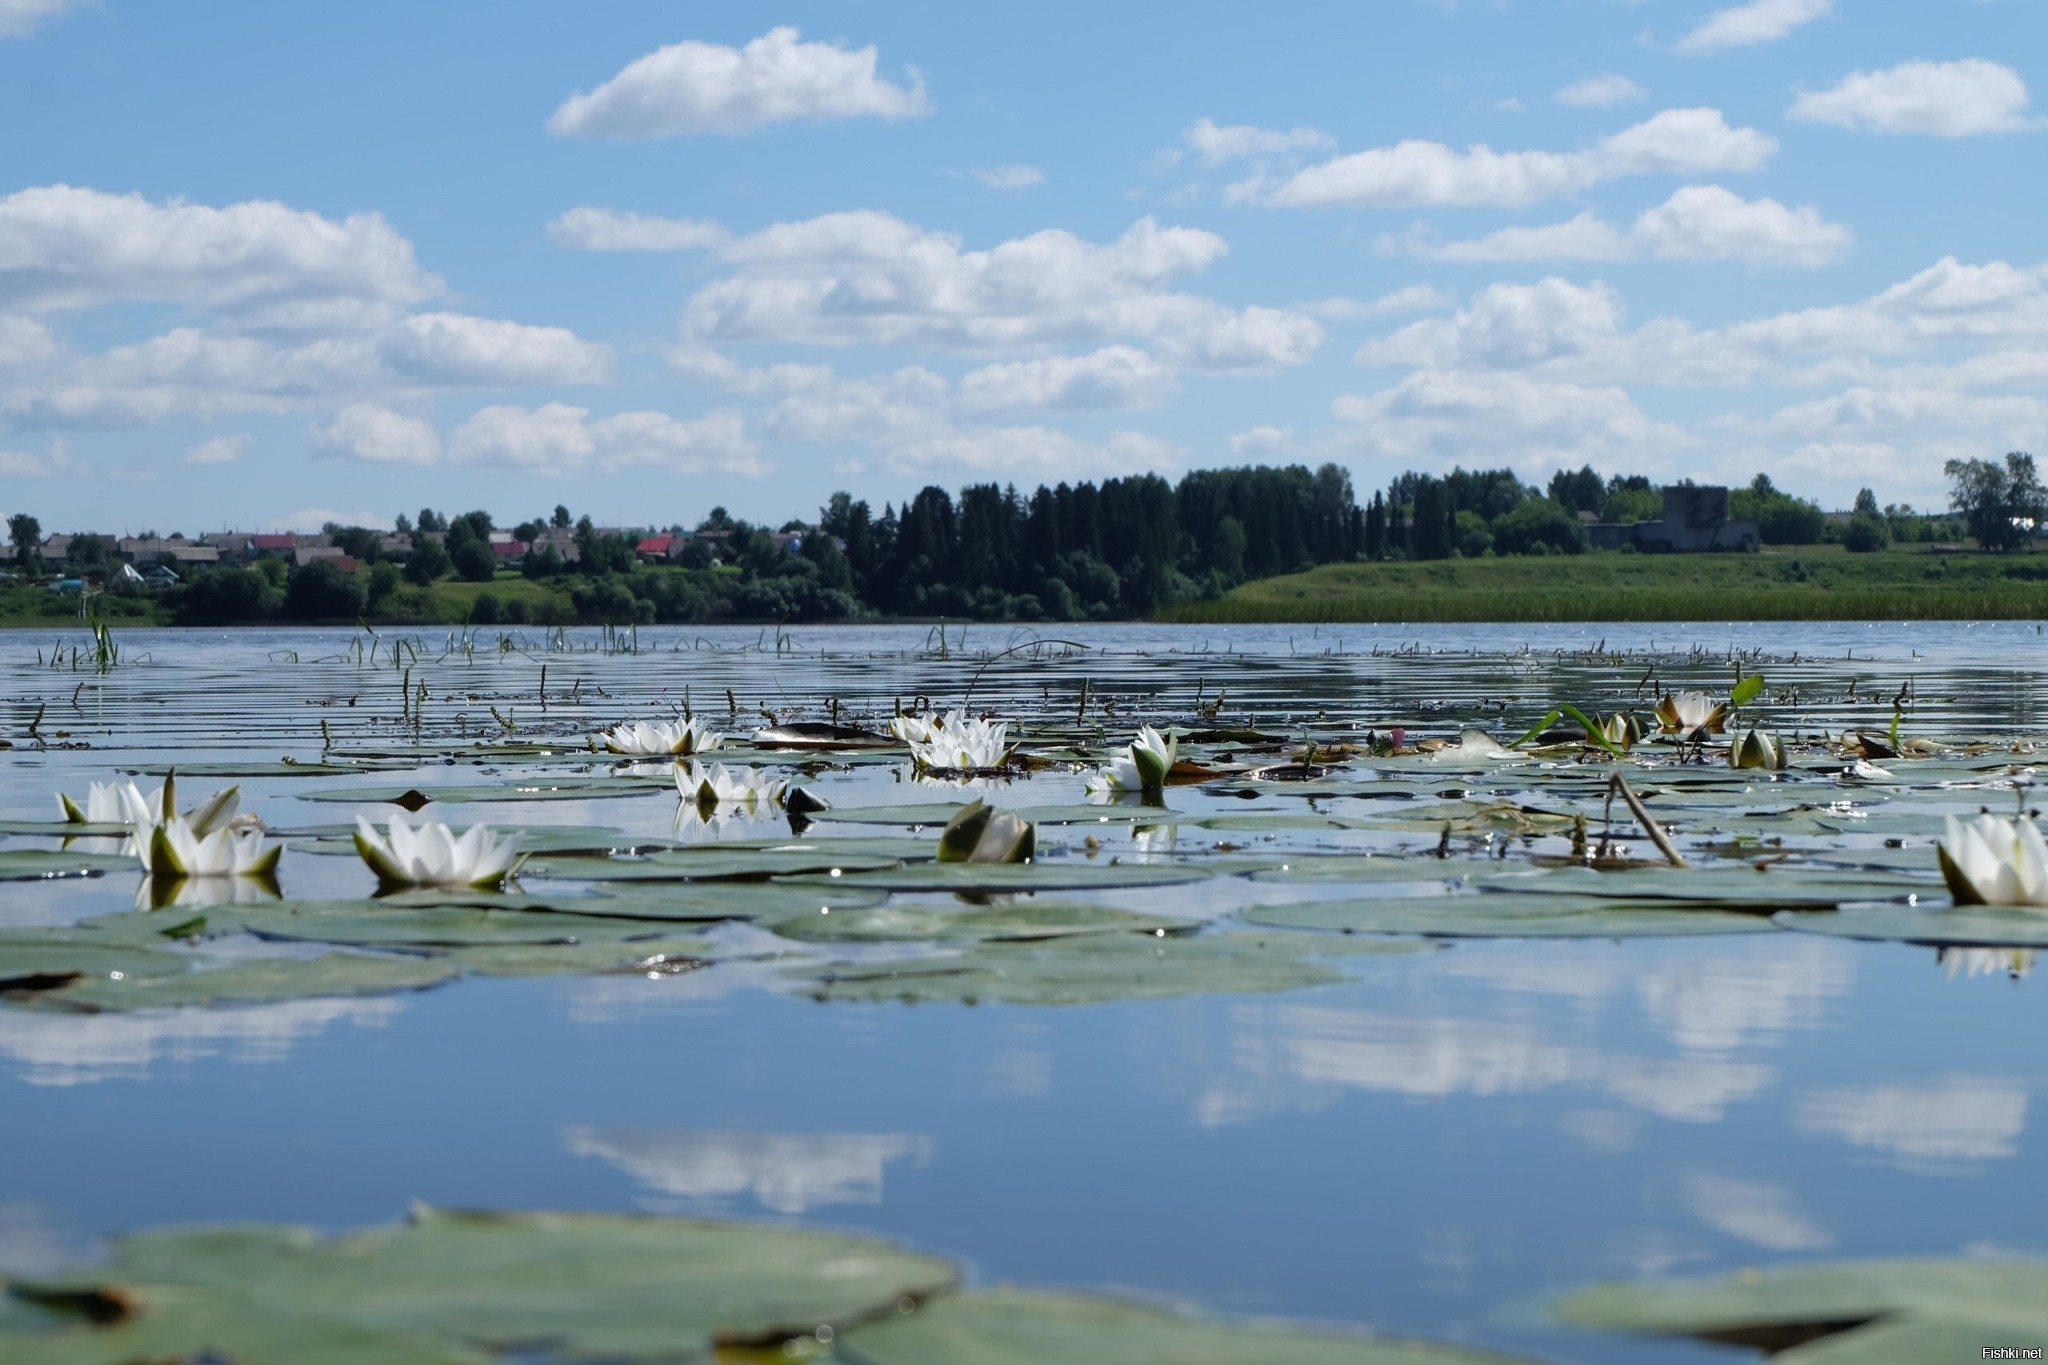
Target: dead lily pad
{"points": [[446, 1286], [1881, 1312], [1035, 1327]]}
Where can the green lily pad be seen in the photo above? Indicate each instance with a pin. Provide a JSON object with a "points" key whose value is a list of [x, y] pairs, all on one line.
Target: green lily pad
{"points": [[447, 1287], [662, 956], [258, 768], [1035, 1327], [1095, 969], [914, 922], [255, 981], [1883, 1312], [1361, 868], [41, 959], [66, 829], [708, 863], [37, 864], [1495, 915], [374, 923], [1303, 820], [1776, 888], [933, 813], [337, 840], [1962, 926], [527, 789], [707, 901], [1058, 874]]}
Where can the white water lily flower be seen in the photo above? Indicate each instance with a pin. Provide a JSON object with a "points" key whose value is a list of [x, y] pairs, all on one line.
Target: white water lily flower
{"points": [[2013, 962], [122, 803], [911, 729], [1142, 766], [661, 737], [1995, 861], [1757, 749], [723, 786], [1863, 770], [1688, 713], [176, 848], [433, 855], [1474, 746], [956, 744]]}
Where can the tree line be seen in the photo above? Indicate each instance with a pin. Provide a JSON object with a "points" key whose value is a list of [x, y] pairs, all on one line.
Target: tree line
{"points": [[1117, 549]]}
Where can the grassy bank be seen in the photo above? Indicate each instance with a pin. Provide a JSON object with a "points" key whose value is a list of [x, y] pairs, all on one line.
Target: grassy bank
{"points": [[1818, 583]]}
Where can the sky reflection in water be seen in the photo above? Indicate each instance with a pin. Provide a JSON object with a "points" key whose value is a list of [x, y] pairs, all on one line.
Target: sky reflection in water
{"points": [[1431, 1147]]}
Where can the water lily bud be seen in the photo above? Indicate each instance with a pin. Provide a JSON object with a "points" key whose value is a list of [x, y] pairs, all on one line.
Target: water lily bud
{"points": [[1757, 749]]}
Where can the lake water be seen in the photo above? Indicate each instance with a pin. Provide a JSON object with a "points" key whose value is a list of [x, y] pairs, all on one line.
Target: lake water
{"points": [[1435, 1143]]}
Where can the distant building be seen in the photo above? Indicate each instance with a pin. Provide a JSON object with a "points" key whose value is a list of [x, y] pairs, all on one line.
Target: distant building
{"points": [[1695, 519]]}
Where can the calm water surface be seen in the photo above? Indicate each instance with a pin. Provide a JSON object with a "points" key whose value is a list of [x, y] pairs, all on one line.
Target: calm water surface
{"points": [[1434, 1146]]}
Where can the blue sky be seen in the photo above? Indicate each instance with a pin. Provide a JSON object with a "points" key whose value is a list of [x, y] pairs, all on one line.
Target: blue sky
{"points": [[265, 264]]}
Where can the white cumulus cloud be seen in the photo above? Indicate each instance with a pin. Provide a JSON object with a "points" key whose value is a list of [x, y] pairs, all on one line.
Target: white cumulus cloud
{"points": [[1601, 92], [697, 87], [557, 438], [364, 431], [593, 229], [1009, 177], [19, 17], [1418, 173], [1698, 223], [1113, 377], [1436, 417], [63, 247], [1759, 21], [1945, 99], [866, 278], [218, 450], [1216, 144]]}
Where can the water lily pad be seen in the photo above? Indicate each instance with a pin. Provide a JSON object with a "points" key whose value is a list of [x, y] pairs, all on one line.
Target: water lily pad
{"points": [[258, 768], [1886, 1312], [663, 956], [66, 829], [708, 901], [524, 789], [1291, 820], [1035, 1327], [1496, 915], [593, 840], [428, 924], [933, 813], [921, 922], [445, 1287], [819, 735], [1361, 868], [37, 864], [43, 959], [1962, 926], [1058, 874], [254, 981], [1095, 969], [707, 863], [1774, 887]]}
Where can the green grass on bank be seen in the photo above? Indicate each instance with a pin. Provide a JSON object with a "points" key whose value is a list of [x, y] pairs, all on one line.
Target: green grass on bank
{"points": [[1815, 583]]}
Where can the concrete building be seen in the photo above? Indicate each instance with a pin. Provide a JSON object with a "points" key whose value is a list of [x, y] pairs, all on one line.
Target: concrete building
{"points": [[1695, 519]]}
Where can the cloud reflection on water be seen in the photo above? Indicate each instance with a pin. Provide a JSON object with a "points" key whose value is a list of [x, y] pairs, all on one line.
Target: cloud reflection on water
{"points": [[786, 1172], [74, 1049]]}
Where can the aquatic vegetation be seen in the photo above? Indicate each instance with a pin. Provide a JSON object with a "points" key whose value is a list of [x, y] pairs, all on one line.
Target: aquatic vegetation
{"points": [[653, 737], [1141, 767], [177, 849], [618, 1287], [1758, 749], [431, 854], [982, 834], [122, 803], [719, 787], [1691, 714], [954, 743], [1995, 861], [1884, 1310]]}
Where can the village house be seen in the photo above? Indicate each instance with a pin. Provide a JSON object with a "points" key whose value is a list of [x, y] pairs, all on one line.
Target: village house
{"points": [[1695, 519]]}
